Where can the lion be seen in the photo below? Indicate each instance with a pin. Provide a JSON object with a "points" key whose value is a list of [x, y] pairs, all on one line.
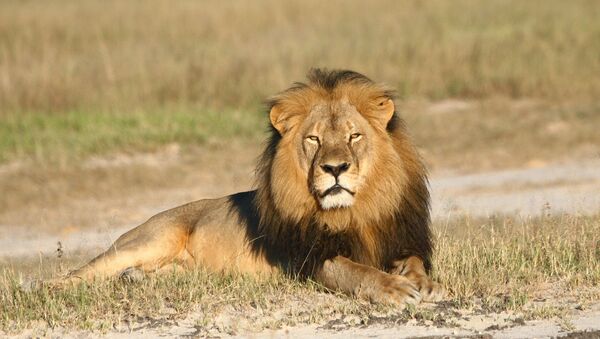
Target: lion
{"points": [[341, 198]]}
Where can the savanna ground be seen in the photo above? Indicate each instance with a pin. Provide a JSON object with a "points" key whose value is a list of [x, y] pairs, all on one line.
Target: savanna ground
{"points": [[113, 111]]}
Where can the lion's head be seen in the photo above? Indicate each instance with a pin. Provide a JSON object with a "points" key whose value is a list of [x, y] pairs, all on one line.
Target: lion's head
{"points": [[338, 161], [332, 143]]}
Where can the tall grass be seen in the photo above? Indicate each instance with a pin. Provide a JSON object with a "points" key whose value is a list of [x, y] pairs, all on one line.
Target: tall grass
{"points": [[69, 55], [507, 261], [88, 77]]}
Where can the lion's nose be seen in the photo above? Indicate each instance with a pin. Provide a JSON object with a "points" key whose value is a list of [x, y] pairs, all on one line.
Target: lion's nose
{"points": [[335, 169]]}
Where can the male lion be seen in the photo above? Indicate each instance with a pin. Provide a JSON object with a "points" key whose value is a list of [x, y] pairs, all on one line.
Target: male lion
{"points": [[341, 197]]}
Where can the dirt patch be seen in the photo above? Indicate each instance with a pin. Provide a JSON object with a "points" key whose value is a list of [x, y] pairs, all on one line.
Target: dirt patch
{"points": [[467, 324], [553, 188]]}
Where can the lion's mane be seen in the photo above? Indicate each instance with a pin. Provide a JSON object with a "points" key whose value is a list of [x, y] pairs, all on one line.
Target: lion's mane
{"points": [[390, 223]]}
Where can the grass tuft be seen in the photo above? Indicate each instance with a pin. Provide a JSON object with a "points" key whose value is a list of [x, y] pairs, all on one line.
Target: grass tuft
{"points": [[506, 262]]}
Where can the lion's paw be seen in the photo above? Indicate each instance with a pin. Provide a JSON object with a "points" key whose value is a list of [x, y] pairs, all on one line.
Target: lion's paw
{"points": [[431, 291], [412, 268], [394, 289]]}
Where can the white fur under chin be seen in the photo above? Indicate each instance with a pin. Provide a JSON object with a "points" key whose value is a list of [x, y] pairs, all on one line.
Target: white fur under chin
{"points": [[342, 199]]}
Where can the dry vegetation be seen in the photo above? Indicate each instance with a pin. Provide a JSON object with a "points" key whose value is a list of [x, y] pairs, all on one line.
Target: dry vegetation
{"points": [[490, 265], [94, 76], [97, 54]]}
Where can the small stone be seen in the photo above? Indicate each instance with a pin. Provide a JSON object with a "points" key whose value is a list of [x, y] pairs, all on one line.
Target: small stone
{"points": [[352, 319], [132, 274], [30, 285]]}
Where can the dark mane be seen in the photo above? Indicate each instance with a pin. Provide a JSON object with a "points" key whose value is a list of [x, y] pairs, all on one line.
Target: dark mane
{"points": [[301, 246], [329, 80]]}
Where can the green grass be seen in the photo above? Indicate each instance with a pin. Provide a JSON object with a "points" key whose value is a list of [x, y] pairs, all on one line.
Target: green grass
{"points": [[501, 133], [494, 265], [74, 135]]}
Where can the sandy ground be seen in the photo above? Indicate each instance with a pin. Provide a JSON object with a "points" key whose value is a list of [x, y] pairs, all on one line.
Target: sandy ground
{"points": [[559, 188], [555, 188], [469, 323]]}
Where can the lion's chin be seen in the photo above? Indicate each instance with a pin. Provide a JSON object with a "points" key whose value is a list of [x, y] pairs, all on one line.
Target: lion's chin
{"points": [[339, 200]]}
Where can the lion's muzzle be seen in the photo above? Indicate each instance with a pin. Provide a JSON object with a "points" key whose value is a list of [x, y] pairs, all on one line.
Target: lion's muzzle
{"points": [[334, 186], [335, 189]]}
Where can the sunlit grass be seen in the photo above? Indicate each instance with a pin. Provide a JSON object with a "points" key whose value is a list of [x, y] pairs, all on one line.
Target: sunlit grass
{"points": [[63, 56], [500, 264], [74, 135], [506, 261], [91, 77]]}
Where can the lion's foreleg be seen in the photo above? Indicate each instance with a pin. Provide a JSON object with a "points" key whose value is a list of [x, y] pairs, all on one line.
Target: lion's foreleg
{"points": [[367, 282], [413, 269]]}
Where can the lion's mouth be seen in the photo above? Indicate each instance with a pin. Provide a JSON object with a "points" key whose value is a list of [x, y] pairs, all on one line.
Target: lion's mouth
{"points": [[336, 189]]}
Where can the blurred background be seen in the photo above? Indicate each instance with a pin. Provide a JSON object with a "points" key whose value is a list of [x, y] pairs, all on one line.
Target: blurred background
{"points": [[111, 111]]}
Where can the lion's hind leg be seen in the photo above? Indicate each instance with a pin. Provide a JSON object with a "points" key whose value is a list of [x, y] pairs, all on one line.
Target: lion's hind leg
{"points": [[146, 248], [413, 269]]}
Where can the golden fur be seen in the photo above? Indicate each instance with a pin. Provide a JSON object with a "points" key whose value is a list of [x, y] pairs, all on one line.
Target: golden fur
{"points": [[341, 197]]}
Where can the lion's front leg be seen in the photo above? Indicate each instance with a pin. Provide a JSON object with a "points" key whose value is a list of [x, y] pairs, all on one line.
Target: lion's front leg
{"points": [[367, 282], [413, 269]]}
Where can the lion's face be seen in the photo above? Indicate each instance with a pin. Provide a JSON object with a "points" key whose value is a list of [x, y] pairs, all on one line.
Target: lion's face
{"points": [[335, 144], [334, 149]]}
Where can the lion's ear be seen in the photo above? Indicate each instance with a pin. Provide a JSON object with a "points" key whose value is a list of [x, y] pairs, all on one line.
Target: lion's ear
{"points": [[383, 111], [279, 119]]}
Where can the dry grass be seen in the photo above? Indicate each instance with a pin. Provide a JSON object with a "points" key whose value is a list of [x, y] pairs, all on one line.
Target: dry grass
{"points": [[89, 77], [507, 261], [106, 304], [494, 265], [495, 134], [57, 56]]}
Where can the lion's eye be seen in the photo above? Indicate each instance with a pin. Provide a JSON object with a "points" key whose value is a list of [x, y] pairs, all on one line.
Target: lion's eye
{"points": [[355, 136], [313, 139]]}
